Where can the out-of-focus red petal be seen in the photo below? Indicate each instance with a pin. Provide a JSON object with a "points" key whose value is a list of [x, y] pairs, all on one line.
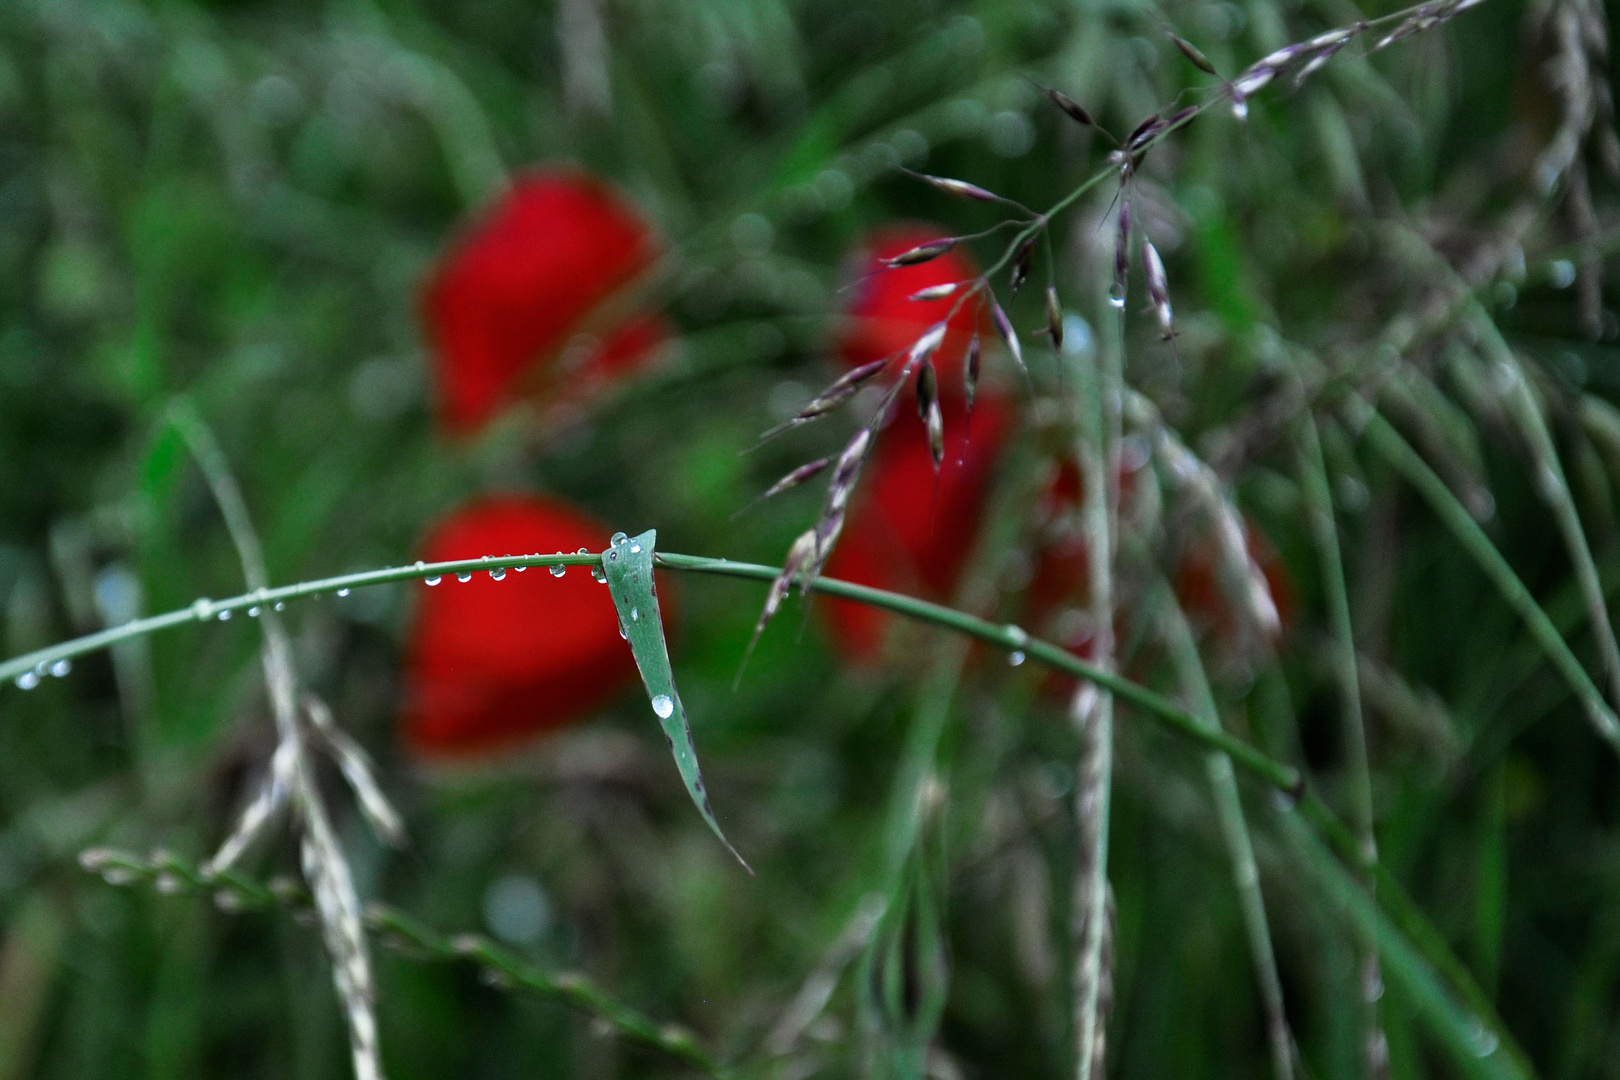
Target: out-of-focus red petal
{"points": [[883, 320], [515, 287], [492, 663], [898, 536], [1206, 600], [588, 366]]}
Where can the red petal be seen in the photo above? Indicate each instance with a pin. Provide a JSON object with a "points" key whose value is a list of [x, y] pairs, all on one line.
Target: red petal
{"points": [[883, 319], [491, 663], [897, 536], [520, 282]]}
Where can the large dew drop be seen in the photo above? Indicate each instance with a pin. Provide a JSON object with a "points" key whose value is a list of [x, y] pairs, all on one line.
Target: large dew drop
{"points": [[27, 680], [61, 667], [497, 574], [431, 580], [464, 577], [617, 538], [559, 570], [663, 705]]}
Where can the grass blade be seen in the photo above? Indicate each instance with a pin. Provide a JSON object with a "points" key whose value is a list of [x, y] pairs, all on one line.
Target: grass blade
{"points": [[628, 566]]}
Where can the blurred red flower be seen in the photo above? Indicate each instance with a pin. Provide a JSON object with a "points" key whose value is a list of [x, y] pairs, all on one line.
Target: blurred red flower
{"points": [[490, 664], [882, 319], [533, 300]]}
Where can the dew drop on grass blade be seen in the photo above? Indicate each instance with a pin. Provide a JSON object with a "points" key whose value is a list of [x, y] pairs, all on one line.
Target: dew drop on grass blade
{"points": [[628, 566]]}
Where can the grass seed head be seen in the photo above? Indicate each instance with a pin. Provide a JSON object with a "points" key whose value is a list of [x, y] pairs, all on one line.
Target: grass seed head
{"points": [[1070, 107], [934, 292], [970, 373], [1158, 289], [797, 477], [1020, 265], [1122, 255], [1009, 336], [1054, 317]]}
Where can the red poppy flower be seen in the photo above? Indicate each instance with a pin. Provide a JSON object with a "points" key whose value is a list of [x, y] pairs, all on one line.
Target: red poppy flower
{"points": [[491, 663], [882, 317], [532, 300], [907, 533]]}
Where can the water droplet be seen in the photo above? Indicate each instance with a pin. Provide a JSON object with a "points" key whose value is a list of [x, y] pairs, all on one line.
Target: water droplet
{"points": [[663, 705], [61, 667], [202, 608], [520, 569], [558, 571], [622, 633], [635, 614], [1116, 295], [617, 538], [420, 565], [224, 615], [485, 558], [1017, 635], [1560, 273], [432, 580], [280, 606], [597, 574], [583, 551], [253, 612], [635, 549], [27, 681], [343, 592], [497, 574], [464, 577], [1015, 657]]}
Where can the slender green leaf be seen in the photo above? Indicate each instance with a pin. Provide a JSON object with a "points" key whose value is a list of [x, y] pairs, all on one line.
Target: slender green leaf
{"points": [[628, 565]]}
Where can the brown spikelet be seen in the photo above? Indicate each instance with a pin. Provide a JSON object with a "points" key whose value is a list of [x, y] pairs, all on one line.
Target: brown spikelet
{"points": [[1144, 133], [839, 391], [926, 345], [1054, 318], [1070, 107], [1191, 52], [1020, 265], [801, 554], [921, 253], [970, 374]]}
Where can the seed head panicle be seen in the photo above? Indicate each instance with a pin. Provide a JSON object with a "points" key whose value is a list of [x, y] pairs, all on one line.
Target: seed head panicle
{"points": [[1144, 133], [797, 476], [926, 345]]}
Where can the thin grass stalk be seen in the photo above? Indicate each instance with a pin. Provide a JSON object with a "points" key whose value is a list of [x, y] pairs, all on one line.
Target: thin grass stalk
{"points": [[337, 903], [403, 934], [1550, 482], [1325, 533], [1389, 444], [1091, 708], [1190, 673]]}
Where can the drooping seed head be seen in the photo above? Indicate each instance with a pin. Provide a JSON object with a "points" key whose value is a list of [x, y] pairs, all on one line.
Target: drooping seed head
{"points": [[921, 253], [848, 468], [935, 421], [1054, 318]]}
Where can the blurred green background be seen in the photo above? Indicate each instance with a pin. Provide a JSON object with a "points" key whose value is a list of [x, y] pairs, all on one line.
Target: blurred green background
{"points": [[238, 201]]}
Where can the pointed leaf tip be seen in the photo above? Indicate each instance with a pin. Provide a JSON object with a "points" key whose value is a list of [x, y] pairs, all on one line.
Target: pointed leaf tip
{"points": [[628, 566]]}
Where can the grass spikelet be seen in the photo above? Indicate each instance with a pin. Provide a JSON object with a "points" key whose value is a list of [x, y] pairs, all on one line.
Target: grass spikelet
{"points": [[929, 411], [1068, 106], [1192, 53], [1158, 289], [921, 253], [1020, 265], [1054, 318], [1009, 336], [960, 188]]}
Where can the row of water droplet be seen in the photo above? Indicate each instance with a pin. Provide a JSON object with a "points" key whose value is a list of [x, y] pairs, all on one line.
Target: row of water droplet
{"points": [[31, 678]]}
